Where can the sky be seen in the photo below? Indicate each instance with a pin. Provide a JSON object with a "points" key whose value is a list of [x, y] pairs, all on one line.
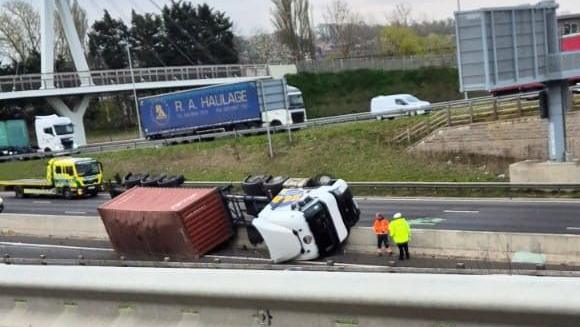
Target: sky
{"points": [[251, 16]]}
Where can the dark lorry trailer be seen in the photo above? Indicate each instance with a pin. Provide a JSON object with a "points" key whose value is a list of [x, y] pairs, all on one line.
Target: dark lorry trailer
{"points": [[219, 108]]}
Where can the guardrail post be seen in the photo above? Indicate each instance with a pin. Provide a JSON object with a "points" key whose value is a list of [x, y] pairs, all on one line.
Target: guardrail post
{"points": [[520, 110], [495, 114], [408, 135], [448, 112], [471, 112]]}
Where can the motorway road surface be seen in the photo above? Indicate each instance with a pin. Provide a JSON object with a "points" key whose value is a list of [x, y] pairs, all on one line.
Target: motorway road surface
{"points": [[495, 215]]}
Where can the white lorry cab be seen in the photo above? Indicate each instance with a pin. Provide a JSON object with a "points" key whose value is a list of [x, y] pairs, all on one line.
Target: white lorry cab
{"points": [[276, 114], [296, 105], [399, 104], [307, 223], [54, 133]]}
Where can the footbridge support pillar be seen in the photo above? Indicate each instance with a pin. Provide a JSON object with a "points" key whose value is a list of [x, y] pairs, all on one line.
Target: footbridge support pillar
{"points": [[76, 115]]}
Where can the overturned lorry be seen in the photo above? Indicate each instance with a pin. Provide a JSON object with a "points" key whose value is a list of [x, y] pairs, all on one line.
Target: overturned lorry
{"points": [[297, 219]]}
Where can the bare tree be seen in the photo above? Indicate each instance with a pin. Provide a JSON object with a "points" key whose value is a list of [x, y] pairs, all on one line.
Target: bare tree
{"points": [[401, 15], [263, 48], [341, 26], [19, 30], [291, 19]]}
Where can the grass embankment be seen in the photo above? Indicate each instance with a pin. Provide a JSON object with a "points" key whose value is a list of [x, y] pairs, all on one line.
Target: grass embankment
{"points": [[103, 135], [357, 152], [331, 94]]}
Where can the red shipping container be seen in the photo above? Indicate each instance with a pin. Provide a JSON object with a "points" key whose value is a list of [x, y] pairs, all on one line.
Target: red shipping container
{"points": [[176, 222]]}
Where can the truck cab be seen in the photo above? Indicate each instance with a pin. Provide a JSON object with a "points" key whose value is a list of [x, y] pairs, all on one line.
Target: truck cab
{"points": [[277, 113], [307, 223], [296, 105], [54, 133], [75, 177], [66, 177]]}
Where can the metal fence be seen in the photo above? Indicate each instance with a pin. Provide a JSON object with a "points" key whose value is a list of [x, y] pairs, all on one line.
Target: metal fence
{"points": [[123, 76], [476, 111], [379, 63]]}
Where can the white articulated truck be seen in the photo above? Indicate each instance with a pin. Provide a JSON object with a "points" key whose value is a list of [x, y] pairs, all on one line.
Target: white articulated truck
{"points": [[305, 223], [53, 134]]}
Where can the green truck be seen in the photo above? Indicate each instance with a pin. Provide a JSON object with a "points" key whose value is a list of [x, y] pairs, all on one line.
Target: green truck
{"points": [[14, 137]]}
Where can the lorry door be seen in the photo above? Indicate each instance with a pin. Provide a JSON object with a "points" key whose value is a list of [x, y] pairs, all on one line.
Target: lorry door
{"points": [[46, 138], [322, 227]]}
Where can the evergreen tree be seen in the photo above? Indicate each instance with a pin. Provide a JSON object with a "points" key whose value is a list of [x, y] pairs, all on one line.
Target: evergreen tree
{"points": [[107, 43]]}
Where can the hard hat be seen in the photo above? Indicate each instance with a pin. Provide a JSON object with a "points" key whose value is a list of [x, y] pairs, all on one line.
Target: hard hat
{"points": [[397, 215]]}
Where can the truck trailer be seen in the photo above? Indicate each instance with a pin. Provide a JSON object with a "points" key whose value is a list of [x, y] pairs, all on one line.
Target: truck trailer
{"points": [[65, 177], [298, 220], [53, 134], [221, 108]]}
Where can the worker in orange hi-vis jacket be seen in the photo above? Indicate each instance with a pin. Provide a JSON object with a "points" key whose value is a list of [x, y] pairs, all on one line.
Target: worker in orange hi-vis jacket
{"points": [[381, 228]]}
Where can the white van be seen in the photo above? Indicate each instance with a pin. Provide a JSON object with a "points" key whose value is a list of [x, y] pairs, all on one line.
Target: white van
{"points": [[399, 104]]}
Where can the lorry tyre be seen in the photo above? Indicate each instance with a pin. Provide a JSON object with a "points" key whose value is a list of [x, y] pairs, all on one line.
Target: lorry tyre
{"points": [[254, 185], [274, 185], [47, 150], [152, 181], [323, 180], [67, 193], [172, 181]]}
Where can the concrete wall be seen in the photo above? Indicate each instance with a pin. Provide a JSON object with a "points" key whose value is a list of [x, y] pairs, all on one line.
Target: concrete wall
{"points": [[522, 138], [279, 71], [501, 247]]}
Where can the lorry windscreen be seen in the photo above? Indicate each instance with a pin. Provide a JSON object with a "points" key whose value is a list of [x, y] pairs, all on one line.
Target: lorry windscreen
{"points": [[320, 222], [296, 101], [64, 129], [88, 168]]}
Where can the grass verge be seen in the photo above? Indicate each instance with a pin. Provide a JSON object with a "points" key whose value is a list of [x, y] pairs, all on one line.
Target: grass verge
{"points": [[359, 151]]}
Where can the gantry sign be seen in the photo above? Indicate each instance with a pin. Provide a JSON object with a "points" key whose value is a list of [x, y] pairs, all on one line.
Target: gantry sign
{"points": [[509, 46]]}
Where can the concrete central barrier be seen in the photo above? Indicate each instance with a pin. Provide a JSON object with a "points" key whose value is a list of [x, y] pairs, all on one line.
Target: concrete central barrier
{"points": [[487, 246], [127, 296]]}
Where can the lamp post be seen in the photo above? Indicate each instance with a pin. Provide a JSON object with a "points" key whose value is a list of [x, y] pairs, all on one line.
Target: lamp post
{"points": [[134, 90]]}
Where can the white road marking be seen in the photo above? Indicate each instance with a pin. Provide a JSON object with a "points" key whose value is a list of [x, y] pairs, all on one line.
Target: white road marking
{"points": [[41, 215], [75, 212], [573, 228], [42, 202], [460, 211], [67, 247], [493, 200], [236, 258]]}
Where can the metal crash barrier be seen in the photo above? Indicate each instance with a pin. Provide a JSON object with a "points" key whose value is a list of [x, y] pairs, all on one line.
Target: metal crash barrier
{"points": [[105, 296]]}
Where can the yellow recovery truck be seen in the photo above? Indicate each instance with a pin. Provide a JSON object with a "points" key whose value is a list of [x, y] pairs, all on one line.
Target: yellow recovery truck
{"points": [[66, 177]]}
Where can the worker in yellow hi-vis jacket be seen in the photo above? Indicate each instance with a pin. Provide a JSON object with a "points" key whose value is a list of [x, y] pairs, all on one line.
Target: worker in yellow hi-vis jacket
{"points": [[400, 232]]}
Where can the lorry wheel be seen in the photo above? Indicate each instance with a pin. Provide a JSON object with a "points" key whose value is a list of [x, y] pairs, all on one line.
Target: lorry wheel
{"points": [[47, 150], [68, 194], [254, 185], [274, 185]]}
